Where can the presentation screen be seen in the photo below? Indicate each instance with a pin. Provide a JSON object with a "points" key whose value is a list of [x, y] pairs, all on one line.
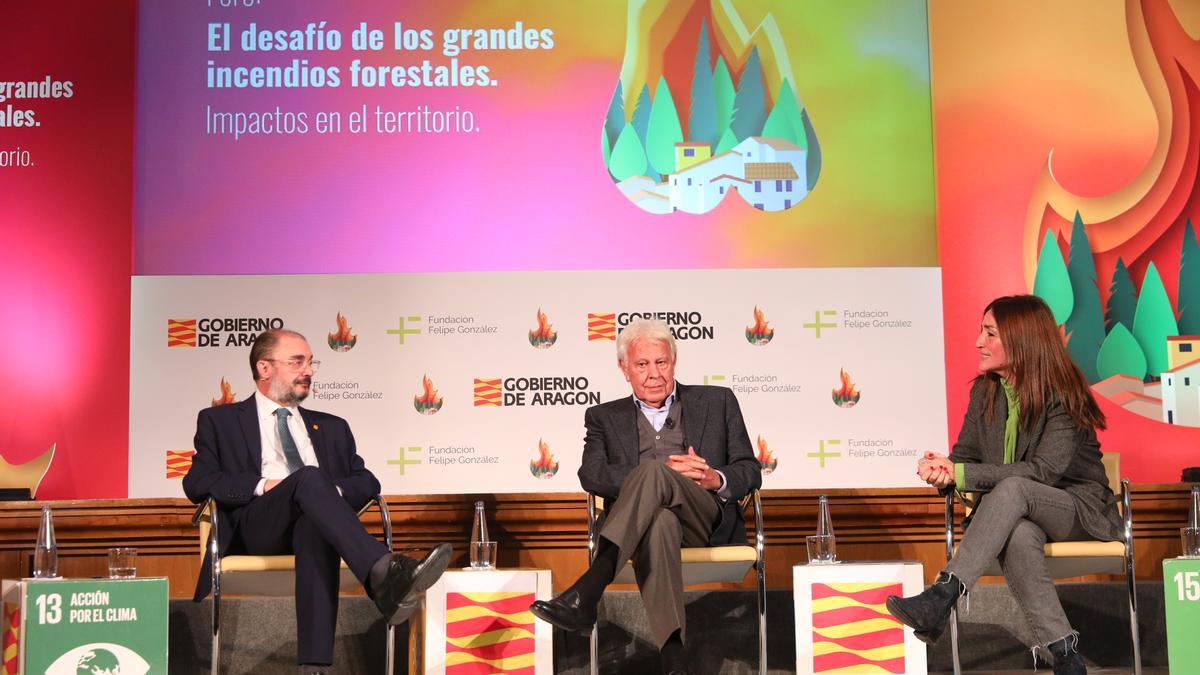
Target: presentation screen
{"points": [[462, 204]]}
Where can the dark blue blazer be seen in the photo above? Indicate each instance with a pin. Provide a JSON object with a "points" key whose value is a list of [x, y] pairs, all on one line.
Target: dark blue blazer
{"points": [[228, 465]]}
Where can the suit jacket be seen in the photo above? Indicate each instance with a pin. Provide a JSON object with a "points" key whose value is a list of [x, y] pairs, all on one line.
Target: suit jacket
{"points": [[228, 465], [712, 424], [1055, 452]]}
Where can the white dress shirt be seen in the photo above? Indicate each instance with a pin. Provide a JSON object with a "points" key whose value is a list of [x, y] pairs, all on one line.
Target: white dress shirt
{"points": [[274, 464]]}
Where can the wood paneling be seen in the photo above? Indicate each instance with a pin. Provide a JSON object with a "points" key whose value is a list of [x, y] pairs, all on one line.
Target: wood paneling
{"points": [[548, 530]]}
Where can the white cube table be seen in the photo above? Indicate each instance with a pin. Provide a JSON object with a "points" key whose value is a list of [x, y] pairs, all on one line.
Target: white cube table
{"points": [[479, 622], [842, 625]]}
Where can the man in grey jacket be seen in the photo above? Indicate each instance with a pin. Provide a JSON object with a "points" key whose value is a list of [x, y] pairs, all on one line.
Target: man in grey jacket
{"points": [[671, 462]]}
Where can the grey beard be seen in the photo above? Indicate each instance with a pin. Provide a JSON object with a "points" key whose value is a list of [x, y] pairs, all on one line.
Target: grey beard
{"points": [[283, 394]]}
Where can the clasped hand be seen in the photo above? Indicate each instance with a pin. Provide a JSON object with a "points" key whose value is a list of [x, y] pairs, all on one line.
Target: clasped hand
{"points": [[935, 469], [695, 467]]}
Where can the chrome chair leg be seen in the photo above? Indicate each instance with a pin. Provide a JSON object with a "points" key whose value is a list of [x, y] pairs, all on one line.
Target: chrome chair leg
{"points": [[954, 641], [593, 652], [391, 650]]}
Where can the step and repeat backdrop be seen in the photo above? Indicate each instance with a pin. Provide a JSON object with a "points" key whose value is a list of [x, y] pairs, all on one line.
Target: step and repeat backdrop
{"points": [[465, 203], [478, 382]]}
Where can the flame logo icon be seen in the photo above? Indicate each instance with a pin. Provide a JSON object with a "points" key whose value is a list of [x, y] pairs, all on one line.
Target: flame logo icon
{"points": [[847, 395], [427, 402], [704, 107], [342, 340], [227, 396], [760, 333], [766, 460], [545, 465], [544, 336]]}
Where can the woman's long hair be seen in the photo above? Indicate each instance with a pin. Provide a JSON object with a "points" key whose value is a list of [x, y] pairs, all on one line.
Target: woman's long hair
{"points": [[1039, 366]]}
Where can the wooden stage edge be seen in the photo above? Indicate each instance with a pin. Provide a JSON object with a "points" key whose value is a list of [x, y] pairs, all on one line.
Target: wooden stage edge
{"points": [[549, 530]]}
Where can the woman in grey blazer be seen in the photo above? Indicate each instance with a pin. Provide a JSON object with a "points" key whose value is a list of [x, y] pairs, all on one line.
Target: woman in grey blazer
{"points": [[1028, 443]]}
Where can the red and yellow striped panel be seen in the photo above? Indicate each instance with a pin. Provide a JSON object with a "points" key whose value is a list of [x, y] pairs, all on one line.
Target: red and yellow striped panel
{"points": [[489, 633], [12, 637], [178, 462], [852, 630], [181, 332], [602, 326], [487, 391]]}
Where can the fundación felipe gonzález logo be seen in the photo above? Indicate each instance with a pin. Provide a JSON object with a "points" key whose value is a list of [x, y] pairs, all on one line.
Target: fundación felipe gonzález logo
{"points": [[684, 136]]}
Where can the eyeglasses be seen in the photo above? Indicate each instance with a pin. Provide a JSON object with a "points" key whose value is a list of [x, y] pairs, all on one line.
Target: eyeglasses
{"points": [[298, 364]]}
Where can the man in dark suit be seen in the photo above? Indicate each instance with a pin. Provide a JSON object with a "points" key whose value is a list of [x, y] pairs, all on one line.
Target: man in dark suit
{"points": [[288, 480], [671, 461]]}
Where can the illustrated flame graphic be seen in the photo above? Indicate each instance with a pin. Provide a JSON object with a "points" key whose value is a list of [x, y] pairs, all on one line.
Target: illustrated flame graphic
{"points": [[489, 633], [766, 460], [1138, 222], [847, 395], [545, 466], [705, 107], [760, 333], [342, 340], [852, 630], [427, 402], [227, 396], [544, 336]]}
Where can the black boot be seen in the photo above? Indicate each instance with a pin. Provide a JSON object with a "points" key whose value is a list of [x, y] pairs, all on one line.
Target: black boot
{"points": [[1067, 660], [928, 612]]}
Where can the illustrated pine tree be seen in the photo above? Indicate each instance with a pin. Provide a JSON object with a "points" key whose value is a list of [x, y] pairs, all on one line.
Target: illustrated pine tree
{"points": [[1154, 322], [750, 102], [702, 115], [1085, 326], [1189, 282], [1122, 299], [1052, 283]]}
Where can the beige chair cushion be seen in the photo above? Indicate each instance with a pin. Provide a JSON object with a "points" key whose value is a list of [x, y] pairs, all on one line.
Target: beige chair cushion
{"points": [[1066, 559], [264, 574], [707, 565]]}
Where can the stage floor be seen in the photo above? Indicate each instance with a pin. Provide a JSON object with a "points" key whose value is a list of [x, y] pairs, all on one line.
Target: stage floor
{"points": [[1046, 669]]}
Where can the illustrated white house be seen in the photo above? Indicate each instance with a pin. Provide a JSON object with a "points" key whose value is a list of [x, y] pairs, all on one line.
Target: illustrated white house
{"points": [[769, 173], [1181, 382]]}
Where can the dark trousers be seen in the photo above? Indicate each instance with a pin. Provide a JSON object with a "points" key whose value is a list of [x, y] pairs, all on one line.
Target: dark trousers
{"points": [[304, 515], [657, 512]]}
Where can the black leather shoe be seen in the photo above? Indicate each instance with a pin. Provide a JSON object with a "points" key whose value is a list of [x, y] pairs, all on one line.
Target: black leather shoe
{"points": [[399, 594], [566, 612], [928, 612], [1067, 660]]}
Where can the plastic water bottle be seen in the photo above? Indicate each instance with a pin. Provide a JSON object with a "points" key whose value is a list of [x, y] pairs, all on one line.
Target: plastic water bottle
{"points": [[483, 549], [822, 546], [824, 522], [45, 552], [1194, 512]]}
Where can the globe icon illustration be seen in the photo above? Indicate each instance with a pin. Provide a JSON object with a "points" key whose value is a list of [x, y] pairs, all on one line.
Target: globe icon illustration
{"points": [[98, 662]]}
